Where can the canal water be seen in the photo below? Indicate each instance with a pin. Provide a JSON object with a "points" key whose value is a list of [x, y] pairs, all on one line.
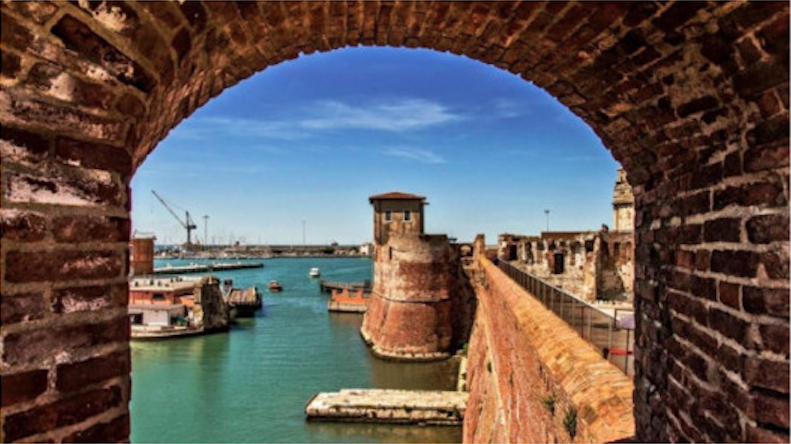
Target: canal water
{"points": [[251, 384]]}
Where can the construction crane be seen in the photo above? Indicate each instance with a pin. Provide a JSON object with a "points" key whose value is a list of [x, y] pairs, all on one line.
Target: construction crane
{"points": [[187, 223]]}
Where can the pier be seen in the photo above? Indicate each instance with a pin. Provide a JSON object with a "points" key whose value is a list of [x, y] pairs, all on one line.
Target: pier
{"points": [[328, 287], [389, 406], [345, 301], [203, 268]]}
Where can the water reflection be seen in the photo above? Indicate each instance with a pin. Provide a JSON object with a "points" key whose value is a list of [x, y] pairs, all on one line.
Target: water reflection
{"points": [[383, 433], [414, 376]]}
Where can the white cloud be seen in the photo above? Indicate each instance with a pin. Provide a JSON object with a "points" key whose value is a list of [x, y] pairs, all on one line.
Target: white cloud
{"points": [[416, 154], [383, 115], [401, 115], [508, 109]]}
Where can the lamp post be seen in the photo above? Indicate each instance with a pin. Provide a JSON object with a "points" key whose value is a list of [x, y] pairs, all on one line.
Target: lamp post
{"points": [[547, 213], [206, 231]]}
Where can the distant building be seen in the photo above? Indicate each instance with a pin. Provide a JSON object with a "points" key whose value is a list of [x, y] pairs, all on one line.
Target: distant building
{"points": [[167, 304], [366, 249], [589, 264], [141, 251], [397, 213], [622, 204]]}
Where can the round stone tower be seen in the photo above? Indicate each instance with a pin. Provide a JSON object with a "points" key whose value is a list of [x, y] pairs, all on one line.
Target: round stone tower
{"points": [[409, 316]]}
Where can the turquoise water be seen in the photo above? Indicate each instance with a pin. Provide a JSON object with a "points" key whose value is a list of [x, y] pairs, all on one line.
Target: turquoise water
{"points": [[251, 384]]}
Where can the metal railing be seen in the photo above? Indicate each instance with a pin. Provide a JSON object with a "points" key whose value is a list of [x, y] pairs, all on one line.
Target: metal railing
{"points": [[610, 333]]}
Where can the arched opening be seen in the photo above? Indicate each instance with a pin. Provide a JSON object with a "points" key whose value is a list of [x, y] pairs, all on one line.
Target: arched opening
{"points": [[472, 166], [692, 99]]}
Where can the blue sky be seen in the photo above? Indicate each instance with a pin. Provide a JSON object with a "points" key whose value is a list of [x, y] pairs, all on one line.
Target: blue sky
{"points": [[311, 139]]}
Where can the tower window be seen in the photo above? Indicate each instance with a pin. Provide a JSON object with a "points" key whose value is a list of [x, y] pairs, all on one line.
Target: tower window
{"points": [[388, 216], [407, 216]]}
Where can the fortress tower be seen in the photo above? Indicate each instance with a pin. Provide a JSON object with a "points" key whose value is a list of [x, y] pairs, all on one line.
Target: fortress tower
{"points": [[622, 204], [409, 316]]}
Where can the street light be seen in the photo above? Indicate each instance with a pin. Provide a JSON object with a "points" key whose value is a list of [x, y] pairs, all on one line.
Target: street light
{"points": [[206, 230], [547, 213]]}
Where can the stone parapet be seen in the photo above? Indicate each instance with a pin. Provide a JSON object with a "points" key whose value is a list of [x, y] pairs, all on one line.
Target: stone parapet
{"points": [[532, 378]]}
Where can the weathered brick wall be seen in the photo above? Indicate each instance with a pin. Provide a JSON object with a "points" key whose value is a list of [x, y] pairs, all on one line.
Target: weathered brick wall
{"points": [[410, 315], [690, 97], [615, 265], [527, 370]]}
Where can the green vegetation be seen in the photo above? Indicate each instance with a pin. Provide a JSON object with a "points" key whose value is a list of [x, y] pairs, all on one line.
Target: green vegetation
{"points": [[549, 403], [570, 422]]}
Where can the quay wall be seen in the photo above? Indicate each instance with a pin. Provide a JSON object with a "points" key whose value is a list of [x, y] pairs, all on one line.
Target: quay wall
{"points": [[532, 378]]}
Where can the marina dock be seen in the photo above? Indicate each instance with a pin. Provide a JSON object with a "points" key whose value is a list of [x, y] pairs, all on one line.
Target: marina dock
{"points": [[345, 301], [388, 406], [203, 268], [327, 286]]}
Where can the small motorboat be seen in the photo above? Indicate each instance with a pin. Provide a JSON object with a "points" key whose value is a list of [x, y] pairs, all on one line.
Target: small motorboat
{"points": [[275, 286], [315, 272]]}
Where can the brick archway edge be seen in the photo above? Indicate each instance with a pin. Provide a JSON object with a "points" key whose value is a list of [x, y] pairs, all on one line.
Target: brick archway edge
{"points": [[690, 97]]}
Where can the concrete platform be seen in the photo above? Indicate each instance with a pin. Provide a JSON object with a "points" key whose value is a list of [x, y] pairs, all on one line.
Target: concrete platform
{"points": [[389, 406], [204, 268], [341, 307]]}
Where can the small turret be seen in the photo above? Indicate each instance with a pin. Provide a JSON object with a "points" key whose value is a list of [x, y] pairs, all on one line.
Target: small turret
{"points": [[397, 213], [622, 204]]}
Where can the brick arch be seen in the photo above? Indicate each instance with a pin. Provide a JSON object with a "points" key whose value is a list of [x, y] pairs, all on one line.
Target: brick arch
{"points": [[690, 97]]}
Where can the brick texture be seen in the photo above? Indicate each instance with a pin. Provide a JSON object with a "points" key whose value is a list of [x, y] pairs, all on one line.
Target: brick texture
{"points": [[521, 355], [690, 97]]}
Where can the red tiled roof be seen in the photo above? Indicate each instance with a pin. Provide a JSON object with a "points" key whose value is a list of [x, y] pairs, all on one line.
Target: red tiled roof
{"points": [[396, 195]]}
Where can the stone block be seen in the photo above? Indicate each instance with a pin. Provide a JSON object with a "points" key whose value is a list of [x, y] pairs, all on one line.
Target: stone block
{"points": [[22, 307], [25, 348], [76, 375], [60, 413], [78, 37], [63, 265], [764, 229], [76, 229], [21, 387], [770, 301], [90, 298], [22, 225]]}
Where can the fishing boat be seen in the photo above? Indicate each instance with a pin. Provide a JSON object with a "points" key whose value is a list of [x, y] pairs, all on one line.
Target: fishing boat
{"points": [[315, 272], [275, 286]]}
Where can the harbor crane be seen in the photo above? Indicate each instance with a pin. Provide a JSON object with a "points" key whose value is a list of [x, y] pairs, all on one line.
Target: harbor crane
{"points": [[187, 223]]}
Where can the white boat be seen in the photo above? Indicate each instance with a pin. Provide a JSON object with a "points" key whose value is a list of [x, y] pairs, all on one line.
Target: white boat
{"points": [[314, 272]]}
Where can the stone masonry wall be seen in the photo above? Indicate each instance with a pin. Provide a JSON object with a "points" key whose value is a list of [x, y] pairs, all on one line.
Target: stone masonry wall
{"points": [[690, 97], [410, 316], [616, 266], [528, 371], [211, 310]]}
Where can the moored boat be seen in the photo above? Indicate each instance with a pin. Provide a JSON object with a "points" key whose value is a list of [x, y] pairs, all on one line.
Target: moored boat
{"points": [[275, 286], [245, 302], [315, 272]]}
